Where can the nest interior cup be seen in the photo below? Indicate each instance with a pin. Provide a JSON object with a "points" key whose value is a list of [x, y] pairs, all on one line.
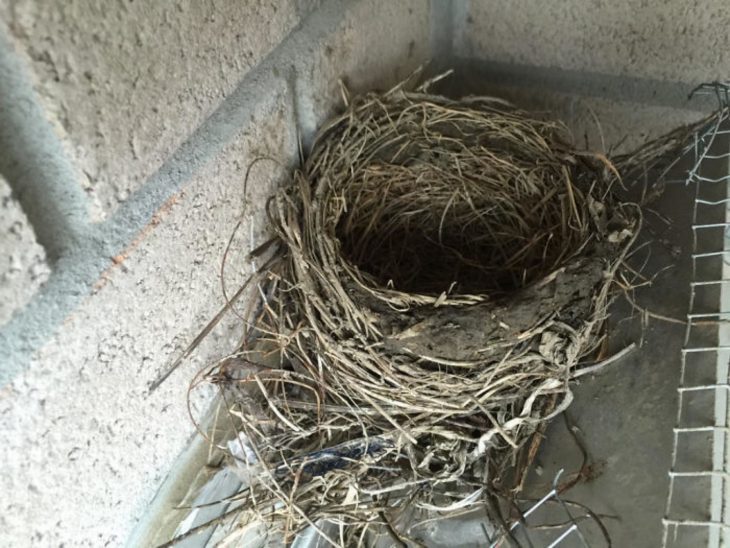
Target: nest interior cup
{"points": [[471, 198], [432, 243]]}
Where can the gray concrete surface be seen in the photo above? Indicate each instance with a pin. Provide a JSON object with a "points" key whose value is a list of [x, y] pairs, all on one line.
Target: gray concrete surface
{"points": [[672, 41], [125, 83], [85, 445], [33, 161], [24, 268]]}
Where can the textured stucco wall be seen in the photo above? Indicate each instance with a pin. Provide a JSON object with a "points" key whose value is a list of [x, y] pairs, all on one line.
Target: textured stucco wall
{"points": [[23, 267], [125, 82], [85, 444], [674, 40]]}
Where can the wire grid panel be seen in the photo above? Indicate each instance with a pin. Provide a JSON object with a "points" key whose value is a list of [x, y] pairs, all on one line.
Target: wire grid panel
{"points": [[686, 521], [522, 528]]}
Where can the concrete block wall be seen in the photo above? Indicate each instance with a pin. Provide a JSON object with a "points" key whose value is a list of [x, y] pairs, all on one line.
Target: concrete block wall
{"points": [[127, 130], [125, 133], [592, 62], [24, 268], [164, 66], [671, 41]]}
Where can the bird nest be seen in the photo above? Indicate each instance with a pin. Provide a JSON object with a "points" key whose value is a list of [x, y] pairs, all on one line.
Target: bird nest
{"points": [[442, 273]]}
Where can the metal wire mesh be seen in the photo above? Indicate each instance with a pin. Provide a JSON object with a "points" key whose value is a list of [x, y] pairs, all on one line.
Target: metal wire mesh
{"points": [[687, 522], [526, 530]]}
